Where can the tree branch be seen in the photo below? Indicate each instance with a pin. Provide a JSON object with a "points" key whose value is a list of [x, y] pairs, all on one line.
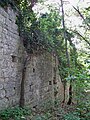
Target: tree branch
{"points": [[81, 15], [82, 37]]}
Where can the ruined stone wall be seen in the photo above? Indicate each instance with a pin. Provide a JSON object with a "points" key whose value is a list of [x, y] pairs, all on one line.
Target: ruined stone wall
{"points": [[11, 52], [42, 80]]}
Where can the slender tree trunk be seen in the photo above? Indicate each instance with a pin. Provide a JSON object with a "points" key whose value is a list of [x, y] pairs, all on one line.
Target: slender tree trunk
{"points": [[64, 35], [70, 94], [64, 85], [67, 54]]}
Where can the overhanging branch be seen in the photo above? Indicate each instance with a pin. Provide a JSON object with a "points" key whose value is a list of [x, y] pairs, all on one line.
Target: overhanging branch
{"points": [[82, 37], [81, 15]]}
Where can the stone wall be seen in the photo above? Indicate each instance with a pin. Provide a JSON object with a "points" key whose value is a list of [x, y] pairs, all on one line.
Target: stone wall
{"points": [[42, 81], [10, 59]]}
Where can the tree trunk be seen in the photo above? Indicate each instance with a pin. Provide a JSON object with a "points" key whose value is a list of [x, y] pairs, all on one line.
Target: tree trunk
{"points": [[70, 95], [67, 54], [64, 85]]}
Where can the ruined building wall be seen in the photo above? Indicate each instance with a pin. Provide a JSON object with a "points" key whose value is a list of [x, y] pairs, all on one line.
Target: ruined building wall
{"points": [[42, 80], [11, 52]]}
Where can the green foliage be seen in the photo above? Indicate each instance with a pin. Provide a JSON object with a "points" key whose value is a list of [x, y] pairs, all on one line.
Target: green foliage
{"points": [[83, 108], [15, 113], [47, 112], [46, 116], [71, 116], [77, 115], [39, 32]]}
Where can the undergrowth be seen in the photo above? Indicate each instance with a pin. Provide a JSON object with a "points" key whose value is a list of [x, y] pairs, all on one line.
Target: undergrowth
{"points": [[48, 113], [16, 113]]}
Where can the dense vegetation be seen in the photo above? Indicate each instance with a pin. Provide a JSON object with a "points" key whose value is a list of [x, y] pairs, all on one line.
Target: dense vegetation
{"points": [[48, 31]]}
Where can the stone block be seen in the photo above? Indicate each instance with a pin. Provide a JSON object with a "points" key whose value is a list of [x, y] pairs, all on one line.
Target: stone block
{"points": [[1, 50], [15, 27], [2, 93], [29, 97], [1, 86], [2, 19], [4, 103], [13, 101], [1, 74], [8, 23], [0, 36], [9, 85], [1, 29], [2, 12], [10, 92], [2, 79], [9, 71], [10, 11], [5, 31], [5, 48]]}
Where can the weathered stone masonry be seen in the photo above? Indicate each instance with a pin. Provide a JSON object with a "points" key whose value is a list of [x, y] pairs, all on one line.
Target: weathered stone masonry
{"points": [[10, 59], [42, 80]]}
